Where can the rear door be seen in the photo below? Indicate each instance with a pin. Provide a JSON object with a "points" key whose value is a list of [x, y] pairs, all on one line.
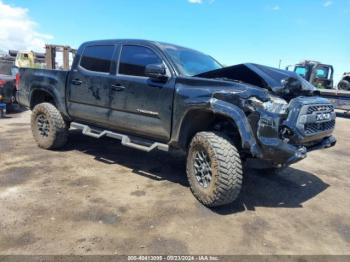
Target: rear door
{"points": [[138, 104], [89, 85]]}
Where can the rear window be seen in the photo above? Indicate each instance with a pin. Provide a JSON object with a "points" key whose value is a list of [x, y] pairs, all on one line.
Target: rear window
{"points": [[97, 58]]}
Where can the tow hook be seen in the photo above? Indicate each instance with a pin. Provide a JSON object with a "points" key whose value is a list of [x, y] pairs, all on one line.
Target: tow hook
{"points": [[301, 153]]}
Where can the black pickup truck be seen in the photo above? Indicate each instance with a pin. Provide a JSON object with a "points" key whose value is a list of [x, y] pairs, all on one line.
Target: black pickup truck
{"points": [[153, 95]]}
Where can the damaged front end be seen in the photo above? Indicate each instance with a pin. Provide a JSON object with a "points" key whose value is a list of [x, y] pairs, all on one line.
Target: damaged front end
{"points": [[282, 83], [286, 137], [286, 116]]}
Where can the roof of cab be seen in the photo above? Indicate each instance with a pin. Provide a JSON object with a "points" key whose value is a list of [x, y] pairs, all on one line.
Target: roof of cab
{"points": [[161, 45]]}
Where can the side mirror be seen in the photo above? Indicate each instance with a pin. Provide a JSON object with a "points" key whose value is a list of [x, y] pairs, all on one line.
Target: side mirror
{"points": [[156, 72]]}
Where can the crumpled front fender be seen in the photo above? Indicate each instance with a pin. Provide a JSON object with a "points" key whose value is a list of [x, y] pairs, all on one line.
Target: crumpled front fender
{"points": [[239, 118]]}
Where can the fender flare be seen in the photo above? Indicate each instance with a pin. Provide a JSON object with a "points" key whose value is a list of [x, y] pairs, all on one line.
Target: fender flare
{"points": [[50, 91], [42, 89], [239, 118]]}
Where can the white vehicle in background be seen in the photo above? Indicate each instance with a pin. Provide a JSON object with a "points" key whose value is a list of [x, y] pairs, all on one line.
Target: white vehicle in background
{"points": [[344, 83]]}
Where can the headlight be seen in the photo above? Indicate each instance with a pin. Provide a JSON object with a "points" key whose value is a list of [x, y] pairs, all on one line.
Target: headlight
{"points": [[275, 105]]}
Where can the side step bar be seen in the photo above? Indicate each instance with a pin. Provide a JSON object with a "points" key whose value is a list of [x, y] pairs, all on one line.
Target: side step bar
{"points": [[125, 140]]}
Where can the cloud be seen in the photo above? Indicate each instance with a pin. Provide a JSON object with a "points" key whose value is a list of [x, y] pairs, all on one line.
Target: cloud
{"points": [[327, 3], [19, 31], [276, 8], [200, 1]]}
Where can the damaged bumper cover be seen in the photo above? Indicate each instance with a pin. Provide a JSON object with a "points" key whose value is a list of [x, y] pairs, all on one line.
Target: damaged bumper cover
{"points": [[285, 140], [279, 153]]}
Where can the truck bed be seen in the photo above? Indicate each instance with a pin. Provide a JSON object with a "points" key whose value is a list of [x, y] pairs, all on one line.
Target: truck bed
{"points": [[52, 81]]}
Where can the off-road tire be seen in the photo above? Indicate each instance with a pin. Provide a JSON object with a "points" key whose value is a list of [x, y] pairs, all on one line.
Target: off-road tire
{"points": [[58, 128], [344, 85], [226, 169]]}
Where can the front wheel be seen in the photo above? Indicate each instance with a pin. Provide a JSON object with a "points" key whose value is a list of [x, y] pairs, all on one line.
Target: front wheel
{"points": [[49, 129], [214, 169]]}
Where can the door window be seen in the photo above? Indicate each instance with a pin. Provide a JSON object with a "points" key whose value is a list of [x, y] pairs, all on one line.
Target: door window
{"points": [[134, 59], [97, 58]]}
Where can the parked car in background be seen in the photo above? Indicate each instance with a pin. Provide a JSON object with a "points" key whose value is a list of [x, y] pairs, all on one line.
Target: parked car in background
{"points": [[7, 81], [344, 83], [318, 74]]}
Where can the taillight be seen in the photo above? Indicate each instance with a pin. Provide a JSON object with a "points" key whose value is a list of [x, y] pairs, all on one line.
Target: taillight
{"points": [[2, 83], [17, 81]]}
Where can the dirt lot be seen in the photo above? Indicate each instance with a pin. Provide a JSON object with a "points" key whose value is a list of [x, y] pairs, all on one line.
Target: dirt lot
{"points": [[97, 197]]}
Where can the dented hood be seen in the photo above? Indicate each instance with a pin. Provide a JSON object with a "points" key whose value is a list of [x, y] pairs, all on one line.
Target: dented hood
{"points": [[281, 82]]}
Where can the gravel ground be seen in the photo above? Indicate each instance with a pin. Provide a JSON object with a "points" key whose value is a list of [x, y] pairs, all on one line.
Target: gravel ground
{"points": [[97, 197]]}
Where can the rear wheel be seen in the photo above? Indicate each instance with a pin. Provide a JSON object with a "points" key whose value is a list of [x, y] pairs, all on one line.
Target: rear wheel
{"points": [[344, 85], [49, 129], [214, 169]]}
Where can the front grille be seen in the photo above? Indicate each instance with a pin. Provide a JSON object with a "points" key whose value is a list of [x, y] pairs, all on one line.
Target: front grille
{"points": [[309, 119], [311, 125], [320, 108], [312, 128]]}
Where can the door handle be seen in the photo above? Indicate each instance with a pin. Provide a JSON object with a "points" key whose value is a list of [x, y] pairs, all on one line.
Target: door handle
{"points": [[76, 82], [117, 87]]}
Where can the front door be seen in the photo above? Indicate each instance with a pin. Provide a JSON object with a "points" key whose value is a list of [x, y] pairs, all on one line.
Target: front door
{"points": [[138, 104]]}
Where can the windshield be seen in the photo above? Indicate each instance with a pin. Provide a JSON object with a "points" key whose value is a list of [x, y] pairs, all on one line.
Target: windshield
{"points": [[191, 62], [301, 70]]}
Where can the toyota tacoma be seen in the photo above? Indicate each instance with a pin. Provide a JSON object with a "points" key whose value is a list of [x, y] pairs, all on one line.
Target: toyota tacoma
{"points": [[152, 95]]}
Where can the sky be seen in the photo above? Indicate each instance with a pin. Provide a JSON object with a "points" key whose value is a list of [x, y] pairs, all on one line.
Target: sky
{"points": [[233, 32]]}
